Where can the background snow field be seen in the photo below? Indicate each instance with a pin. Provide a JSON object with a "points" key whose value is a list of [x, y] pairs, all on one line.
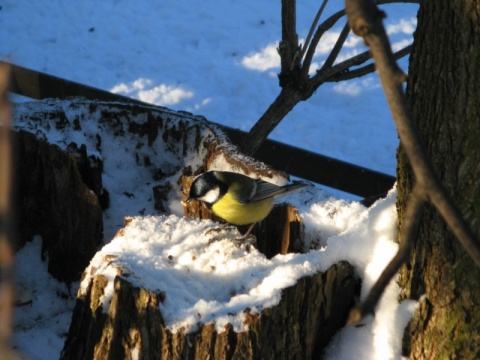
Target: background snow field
{"points": [[217, 59]]}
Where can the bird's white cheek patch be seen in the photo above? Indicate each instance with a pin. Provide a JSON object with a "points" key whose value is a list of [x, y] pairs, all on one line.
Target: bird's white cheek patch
{"points": [[211, 196]]}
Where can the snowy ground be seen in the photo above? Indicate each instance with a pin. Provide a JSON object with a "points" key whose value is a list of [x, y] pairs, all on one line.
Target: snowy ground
{"points": [[218, 60]]}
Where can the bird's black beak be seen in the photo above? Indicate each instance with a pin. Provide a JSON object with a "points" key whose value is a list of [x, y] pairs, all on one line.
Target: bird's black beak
{"points": [[189, 199]]}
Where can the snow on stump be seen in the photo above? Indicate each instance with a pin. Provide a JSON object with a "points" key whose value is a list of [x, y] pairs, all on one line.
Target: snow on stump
{"points": [[71, 154], [76, 157], [169, 287]]}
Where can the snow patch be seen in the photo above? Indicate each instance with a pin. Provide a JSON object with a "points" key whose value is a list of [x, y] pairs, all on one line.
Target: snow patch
{"points": [[146, 91], [268, 58]]}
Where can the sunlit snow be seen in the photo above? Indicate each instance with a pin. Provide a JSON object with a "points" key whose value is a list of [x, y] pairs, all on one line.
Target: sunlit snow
{"points": [[218, 59]]}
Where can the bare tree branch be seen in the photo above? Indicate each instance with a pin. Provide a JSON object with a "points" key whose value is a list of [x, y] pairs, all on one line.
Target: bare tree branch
{"points": [[6, 256], [365, 19], [288, 98], [337, 47], [294, 76], [321, 30], [288, 47], [327, 25], [346, 74], [310, 32]]}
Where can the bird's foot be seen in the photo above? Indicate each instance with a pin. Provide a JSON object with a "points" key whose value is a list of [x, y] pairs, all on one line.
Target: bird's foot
{"points": [[222, 232], [218, 230], [248, 239]]}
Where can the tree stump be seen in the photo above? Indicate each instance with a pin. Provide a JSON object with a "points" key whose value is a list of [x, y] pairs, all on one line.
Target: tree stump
{"points": [[131, 324], [58, 191], [62, 197], [299, 327], [52, 200]]}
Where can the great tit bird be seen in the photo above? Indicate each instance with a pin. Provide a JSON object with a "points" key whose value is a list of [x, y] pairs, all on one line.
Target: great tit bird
{"points": [[236, 198]]}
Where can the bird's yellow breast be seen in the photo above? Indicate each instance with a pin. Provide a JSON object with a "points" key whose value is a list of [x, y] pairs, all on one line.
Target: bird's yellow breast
{"points": [[237, 213]]}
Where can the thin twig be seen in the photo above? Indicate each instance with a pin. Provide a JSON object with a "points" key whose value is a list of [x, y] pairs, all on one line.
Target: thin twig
{"points": [[346, 74], [312, 28], [340, 71], [365, 20], [337, 47], [322, 29]]}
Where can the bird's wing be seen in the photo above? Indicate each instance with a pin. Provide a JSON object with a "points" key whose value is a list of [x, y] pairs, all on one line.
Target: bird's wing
{"points": [[240, 186], [266, 190], [256, 190]]}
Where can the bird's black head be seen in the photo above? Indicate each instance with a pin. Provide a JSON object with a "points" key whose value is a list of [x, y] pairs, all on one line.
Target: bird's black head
{"points": [[207, 188]]}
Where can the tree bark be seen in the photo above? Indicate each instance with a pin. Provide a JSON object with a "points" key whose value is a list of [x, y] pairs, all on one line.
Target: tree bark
{"points": [[299, 327], [444, 98], [52, 199], [281, 106]]}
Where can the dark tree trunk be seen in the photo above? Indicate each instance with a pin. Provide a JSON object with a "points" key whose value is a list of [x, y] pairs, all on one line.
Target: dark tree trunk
{"points": [[57, 197], [444, 95]]}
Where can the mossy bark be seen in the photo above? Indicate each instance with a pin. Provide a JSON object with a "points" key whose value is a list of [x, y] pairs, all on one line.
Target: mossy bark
{"points": [[444, 96]]}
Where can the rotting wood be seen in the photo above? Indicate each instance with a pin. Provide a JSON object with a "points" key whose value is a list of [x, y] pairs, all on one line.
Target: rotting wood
{"points": [[52, 200]]}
